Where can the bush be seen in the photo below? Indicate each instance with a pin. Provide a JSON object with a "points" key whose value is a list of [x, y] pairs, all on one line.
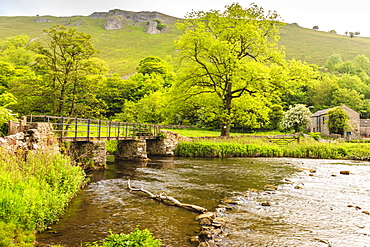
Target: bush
{"points": [[111, 146], [315, 135], [137, 238], [160, 25]]}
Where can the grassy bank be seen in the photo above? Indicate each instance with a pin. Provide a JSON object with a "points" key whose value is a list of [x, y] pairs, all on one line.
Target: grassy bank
{"points": [[34, 193], [251, 147]]}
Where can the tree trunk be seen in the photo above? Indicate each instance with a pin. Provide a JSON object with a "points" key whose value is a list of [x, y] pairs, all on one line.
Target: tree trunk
{"points": [[225, 129]]}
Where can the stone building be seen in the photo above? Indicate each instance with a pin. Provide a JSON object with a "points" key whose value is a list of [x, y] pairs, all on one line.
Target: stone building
{"points": [[319, 122], [365, 128]]}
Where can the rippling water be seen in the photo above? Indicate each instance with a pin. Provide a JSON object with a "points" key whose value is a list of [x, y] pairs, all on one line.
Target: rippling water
{"points": [[323, 208]]}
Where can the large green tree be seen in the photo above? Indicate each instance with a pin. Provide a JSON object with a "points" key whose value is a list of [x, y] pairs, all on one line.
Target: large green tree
{"points": [[70, 72], [225, 53]]}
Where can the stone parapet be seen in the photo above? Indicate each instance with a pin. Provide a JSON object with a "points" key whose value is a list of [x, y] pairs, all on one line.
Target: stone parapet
{"points": [[34, 136]]}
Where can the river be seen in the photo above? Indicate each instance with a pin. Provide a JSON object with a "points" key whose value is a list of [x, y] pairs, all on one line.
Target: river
{"points": [[317, 207]]}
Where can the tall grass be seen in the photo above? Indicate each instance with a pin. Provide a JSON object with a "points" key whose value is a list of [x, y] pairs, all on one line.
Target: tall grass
{"points": [[226, 149], [263, 148], [34, 193]]}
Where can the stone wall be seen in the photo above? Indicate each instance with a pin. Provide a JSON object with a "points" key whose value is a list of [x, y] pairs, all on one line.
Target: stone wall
{"points": [[34, 136]]}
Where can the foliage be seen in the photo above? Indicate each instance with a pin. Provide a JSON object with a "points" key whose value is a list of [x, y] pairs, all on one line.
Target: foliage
{"points": [[34, 191], [137, 238], [226, 54], [6, 99], [297, 79], [160, 25], [276, 114], [111, 146], [14, 51], [69, 72], [296, 118], [147, 110], [333, 61], [7, 72], [338, 120], [210, 133], [151, 65], [315, 135], [13, 235]]}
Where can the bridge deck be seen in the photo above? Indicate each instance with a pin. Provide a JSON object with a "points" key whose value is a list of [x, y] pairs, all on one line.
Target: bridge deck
{"points": [[78, 129]]}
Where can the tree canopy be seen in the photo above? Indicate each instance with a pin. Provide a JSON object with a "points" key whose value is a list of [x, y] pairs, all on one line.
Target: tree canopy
{"points": [[227, 54], [70, 71]]}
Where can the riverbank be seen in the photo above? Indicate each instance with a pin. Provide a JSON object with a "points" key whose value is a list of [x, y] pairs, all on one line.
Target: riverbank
{"points": [[262, 147], [35, 190]]}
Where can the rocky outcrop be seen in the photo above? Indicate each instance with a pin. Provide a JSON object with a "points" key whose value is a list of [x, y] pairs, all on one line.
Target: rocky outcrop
{"points": [[116, 19], [41, 20], [152, 28], [113, 23]]}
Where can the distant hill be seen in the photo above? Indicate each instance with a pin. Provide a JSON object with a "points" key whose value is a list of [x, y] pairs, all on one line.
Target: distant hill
{"points": [[124, 38], [316, 46]]}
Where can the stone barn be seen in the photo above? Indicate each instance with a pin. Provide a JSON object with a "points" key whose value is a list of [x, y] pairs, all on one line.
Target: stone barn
{"points": [[319, 122]]}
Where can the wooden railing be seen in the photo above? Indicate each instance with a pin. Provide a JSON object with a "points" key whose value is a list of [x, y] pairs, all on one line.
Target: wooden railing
{"points": [[79, 129]]}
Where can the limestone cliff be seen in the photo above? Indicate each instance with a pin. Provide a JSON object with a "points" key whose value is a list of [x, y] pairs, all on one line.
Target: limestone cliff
{"points": [[155, 22]]}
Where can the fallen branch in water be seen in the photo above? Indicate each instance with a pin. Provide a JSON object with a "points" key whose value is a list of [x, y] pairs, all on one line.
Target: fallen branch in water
{"points": [[162, 198]]}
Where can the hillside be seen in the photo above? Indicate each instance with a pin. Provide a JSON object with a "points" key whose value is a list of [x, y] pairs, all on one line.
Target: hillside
{"points": [[127, 42], [316, 46]]}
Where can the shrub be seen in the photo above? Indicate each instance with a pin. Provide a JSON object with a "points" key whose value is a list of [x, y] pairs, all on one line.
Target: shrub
{"points": [[139, 237], [160, 25], [315, 135]]}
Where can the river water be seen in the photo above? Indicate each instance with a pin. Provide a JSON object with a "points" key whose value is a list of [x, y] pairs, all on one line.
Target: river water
{"points": [[317, 207]]}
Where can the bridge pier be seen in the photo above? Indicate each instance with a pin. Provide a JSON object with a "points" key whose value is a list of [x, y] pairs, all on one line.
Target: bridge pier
{"points": [[131, 150], [141, 149], [90, 153]]}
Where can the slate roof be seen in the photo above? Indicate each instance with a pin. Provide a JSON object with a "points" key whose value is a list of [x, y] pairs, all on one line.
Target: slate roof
{"points": [[321, 112]]}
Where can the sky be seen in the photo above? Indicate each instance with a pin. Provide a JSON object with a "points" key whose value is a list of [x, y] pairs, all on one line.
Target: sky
{"points": [[338, 15]]}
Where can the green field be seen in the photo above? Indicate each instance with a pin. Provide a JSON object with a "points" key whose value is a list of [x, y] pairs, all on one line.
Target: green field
{"points": [[214, 133]]}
